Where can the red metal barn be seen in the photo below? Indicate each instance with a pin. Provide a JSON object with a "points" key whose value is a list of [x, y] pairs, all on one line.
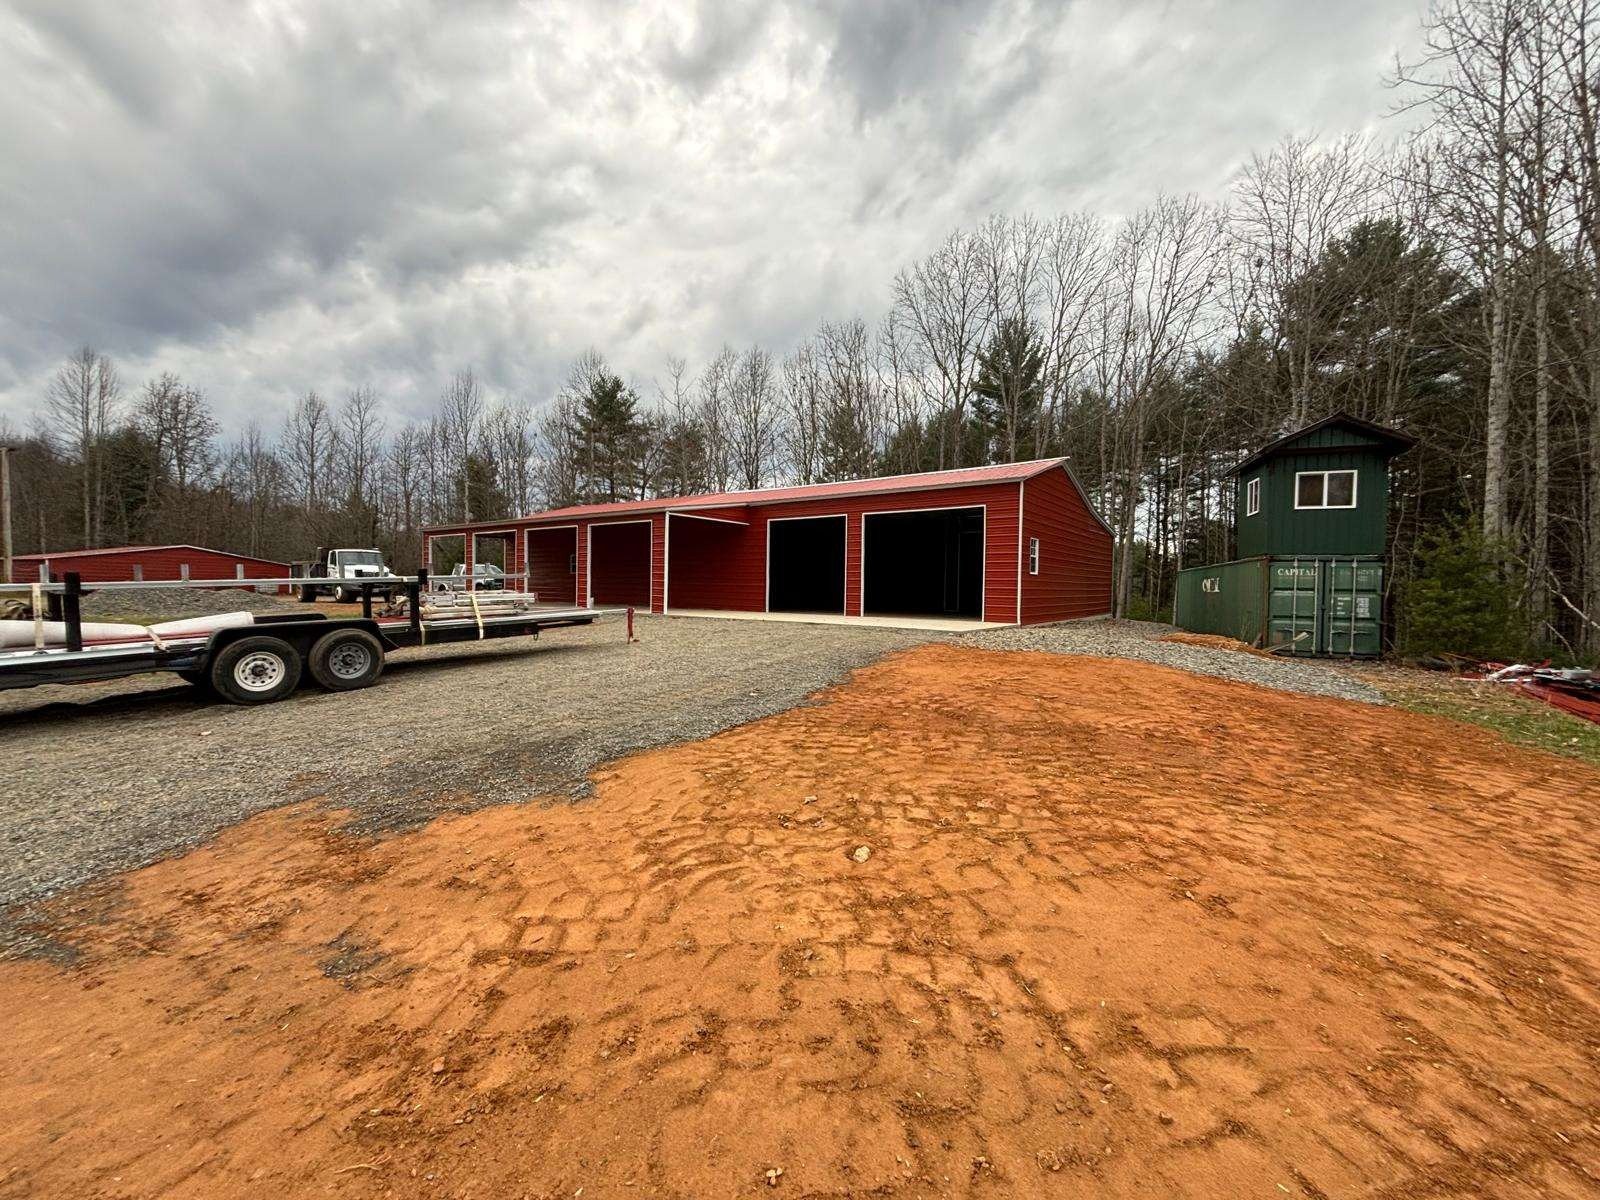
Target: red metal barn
{"points": [[1017, 543], [149, 563]]}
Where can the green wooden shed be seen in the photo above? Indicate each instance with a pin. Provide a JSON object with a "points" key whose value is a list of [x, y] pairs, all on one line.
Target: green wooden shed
{"points": [[1310, 531], [1323, 489]]}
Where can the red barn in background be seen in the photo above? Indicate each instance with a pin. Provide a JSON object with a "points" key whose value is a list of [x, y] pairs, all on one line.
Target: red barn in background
{"points": [[1013, 544], [150, 563]]}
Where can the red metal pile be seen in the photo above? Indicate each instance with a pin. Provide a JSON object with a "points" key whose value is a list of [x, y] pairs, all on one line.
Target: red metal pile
{"points": [[1574, 690]]}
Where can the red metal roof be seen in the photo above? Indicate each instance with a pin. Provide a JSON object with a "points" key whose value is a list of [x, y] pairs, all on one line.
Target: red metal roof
{"points": [[959, 477], [55, 554]]}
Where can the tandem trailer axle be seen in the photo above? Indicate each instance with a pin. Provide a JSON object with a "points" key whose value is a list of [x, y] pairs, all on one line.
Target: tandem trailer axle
{"points": [[266, 659]]}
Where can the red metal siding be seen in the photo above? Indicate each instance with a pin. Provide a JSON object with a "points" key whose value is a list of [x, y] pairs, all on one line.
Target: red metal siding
{"points": [[999, 540], [714, 566], [548, 564], [658, 562], [736, 579], [622, 565], [705, 559], [1074, 578], [158, 563]]}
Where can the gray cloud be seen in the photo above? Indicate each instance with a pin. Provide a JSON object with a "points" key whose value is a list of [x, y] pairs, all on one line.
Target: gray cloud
{"points": [[304, 195]]}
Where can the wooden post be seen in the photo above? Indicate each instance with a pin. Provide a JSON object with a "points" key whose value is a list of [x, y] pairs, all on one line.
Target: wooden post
{"points": [[5, 516], [72, 610]]}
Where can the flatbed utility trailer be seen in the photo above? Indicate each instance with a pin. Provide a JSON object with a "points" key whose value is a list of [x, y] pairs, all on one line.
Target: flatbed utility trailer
{"points": [[265, 660]]}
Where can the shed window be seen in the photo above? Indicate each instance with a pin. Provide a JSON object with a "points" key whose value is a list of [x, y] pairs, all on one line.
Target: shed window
{"points": [[1033, 556], [1252, 497], [1325, 489]]}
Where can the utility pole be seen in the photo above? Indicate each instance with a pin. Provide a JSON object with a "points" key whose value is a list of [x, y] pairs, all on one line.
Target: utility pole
{"points": [[5, 514]]}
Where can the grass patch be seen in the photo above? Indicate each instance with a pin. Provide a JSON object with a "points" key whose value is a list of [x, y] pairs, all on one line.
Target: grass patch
{"points": [[1519, 719]]}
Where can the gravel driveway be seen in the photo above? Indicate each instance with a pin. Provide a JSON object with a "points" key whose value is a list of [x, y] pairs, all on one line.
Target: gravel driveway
{"points": [[105, 777]]}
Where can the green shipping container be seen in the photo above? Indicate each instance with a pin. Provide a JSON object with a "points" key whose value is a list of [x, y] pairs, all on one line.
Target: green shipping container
{"points": [[1300, 606]]}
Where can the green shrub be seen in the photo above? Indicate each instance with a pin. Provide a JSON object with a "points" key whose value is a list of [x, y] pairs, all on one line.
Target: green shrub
{"points": [[1142, 608], [1461, 599]]}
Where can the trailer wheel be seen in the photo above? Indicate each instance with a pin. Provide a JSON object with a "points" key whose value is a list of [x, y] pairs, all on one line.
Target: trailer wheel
{"points": [[346, 659], [256, 670]]}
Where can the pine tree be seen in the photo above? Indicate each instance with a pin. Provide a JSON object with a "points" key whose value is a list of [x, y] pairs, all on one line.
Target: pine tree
{"points": [[610, 430], [1458, 602], [1009, 389]]}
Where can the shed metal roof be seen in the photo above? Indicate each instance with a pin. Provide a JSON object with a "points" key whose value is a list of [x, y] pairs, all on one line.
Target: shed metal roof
{"points": [[1392, 439], [922, 481]]}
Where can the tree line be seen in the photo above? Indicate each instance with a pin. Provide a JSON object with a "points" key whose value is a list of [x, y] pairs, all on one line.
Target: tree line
{"points": [[1448, 285]]}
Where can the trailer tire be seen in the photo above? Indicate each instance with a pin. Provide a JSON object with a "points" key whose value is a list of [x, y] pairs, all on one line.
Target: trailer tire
{"points": [[346, 659], [255, 670]]}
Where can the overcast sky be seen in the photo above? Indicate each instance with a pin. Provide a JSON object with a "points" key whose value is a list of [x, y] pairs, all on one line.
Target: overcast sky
{"points": [[278, 196]]}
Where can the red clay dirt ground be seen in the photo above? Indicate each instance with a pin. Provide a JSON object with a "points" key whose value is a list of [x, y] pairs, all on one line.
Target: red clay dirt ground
{"points": [[1122, 931]]}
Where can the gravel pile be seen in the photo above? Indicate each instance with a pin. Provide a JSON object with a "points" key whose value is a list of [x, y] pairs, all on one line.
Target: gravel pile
{"points": [[1140, 640], [166, 604], [105, 777]]}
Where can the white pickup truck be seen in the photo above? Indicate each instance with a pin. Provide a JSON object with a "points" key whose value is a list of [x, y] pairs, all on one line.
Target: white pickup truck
{"points": [[334, 572]]}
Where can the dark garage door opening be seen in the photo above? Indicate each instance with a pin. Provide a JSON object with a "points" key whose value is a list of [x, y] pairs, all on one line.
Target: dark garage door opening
{"points": [[805, 565], [923, 564]]}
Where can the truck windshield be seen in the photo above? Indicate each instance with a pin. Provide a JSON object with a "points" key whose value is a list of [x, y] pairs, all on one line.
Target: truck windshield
{"points": [[361, 558]]}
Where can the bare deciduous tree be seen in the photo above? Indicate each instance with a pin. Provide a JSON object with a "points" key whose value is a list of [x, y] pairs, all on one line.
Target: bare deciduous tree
{"points": [[460, 411], [944, 302], [311, 446], [82, 400], [753, 417], [1289, 205]]}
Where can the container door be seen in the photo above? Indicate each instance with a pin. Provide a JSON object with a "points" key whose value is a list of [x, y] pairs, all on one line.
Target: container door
{"points": [[1353, 606], [1295, 606]]}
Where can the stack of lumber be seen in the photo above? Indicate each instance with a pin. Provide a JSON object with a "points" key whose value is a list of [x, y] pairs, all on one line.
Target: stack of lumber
{"points": [[481, 604]]}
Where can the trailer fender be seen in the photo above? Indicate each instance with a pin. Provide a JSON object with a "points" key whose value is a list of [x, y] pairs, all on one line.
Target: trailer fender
{"points": [[300, 632]]}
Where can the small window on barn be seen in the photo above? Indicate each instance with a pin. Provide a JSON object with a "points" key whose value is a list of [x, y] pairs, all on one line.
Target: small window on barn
{"points": [[572, 563], [1252, 497], [1325, 489], [1033, 556]]}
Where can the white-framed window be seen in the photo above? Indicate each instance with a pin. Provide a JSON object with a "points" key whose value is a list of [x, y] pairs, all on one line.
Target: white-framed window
{"points": [[572, 563], [1033, 556], [1325, 489], [1252, 497]]}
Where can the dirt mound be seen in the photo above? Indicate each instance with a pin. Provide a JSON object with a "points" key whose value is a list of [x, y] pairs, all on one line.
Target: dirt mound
{"points": [[1216, 641], [1121, 931]]}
